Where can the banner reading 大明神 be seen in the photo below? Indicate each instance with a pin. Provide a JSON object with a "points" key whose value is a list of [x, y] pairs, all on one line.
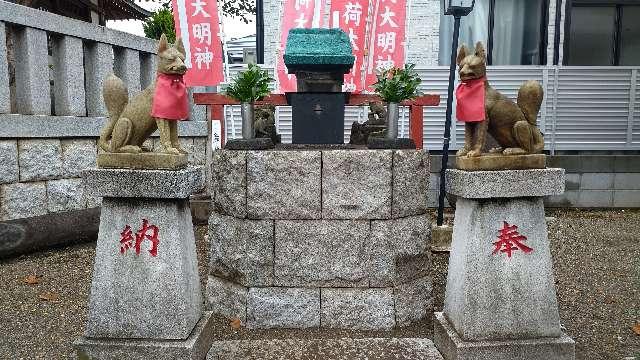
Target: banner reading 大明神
{"points": [[199, 20], [387, 40]]}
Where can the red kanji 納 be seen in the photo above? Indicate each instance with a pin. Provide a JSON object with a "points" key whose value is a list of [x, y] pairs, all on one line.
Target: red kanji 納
{"points": [[147, 231], [510, 240]]}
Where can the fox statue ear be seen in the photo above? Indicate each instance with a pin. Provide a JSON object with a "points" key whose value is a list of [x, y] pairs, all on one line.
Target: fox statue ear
{"points": [[480, 51], [163, 44], [462, 53], [179, 45]]}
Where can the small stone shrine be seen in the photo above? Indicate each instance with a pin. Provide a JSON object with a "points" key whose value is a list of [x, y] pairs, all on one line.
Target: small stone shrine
{"points": [[319, 58], [330, 239]]}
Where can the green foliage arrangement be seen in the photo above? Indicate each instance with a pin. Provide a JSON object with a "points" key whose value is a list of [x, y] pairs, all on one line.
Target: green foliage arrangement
{"points": [[160, 22], [396, 84], [250, 85], [240, 9]]}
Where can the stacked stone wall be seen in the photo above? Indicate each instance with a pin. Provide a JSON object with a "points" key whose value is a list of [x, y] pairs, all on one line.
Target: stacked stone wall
{"points": [[331, 239]]}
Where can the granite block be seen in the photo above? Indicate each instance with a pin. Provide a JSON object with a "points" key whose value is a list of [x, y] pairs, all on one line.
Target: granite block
{"points": [[357, 309], [343, 348], [144, 290], [284, 184], [65, 195], [452, 347], [40, 159], [356, 184], [77, 155], [399, 250], [229, 182], [32, 90], [410, 182], [241, 250], [5, 93], [68, 82], [98, 64], [22, 200], [8, 161], [195, 347], [293, 308], [227, 299], [413, 301], [160, 184], [127, 67], [481, 307], [321, 253], [199, 151], [505, 184]]}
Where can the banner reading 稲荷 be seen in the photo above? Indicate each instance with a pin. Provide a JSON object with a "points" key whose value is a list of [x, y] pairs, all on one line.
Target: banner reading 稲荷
{"points": [[351, 17], [203, 46], [296, 14], [387, 40]]}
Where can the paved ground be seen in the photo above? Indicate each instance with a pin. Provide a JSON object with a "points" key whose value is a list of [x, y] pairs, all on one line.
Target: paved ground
{"points": [[597, 266]]}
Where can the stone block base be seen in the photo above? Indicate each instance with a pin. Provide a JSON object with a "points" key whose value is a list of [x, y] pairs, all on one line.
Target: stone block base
{"points": [[452, 347], [195, 347], [383, 143], [325, 349], [494, 162], [142, 161]]}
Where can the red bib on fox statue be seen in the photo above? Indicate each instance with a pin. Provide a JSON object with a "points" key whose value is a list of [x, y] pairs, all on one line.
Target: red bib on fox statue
{"points": [[470, 100], [170, 98]]}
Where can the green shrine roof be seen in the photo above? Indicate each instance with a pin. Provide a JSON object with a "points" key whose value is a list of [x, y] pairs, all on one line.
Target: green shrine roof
{"points": [[324, 47]]}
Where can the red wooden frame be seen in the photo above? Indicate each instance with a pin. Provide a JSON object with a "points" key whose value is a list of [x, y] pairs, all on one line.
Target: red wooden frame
{"points": [[416, 119]]}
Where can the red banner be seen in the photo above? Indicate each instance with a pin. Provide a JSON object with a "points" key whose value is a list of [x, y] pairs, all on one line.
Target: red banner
{"points": [[203, 46], [351, 17], [296, 14], [387, 39]]}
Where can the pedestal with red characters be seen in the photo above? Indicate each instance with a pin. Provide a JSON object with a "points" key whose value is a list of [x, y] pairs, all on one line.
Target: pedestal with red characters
{"points": [[500, 301], [145, 299]]}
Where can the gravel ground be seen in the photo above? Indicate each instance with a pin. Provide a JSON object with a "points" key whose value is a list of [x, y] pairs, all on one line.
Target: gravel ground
{"points": [[596, 263]]}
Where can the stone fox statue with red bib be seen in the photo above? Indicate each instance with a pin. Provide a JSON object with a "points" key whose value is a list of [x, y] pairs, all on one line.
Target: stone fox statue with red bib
{"points": [[483, 109], [160, 106]]}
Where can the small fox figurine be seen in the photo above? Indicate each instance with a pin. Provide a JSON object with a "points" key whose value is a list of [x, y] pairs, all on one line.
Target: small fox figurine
{"points": [[483, 109], [160, 106]]}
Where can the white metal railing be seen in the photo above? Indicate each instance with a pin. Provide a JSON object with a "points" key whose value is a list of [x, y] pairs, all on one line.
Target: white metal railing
{"points": [[585, 108]]}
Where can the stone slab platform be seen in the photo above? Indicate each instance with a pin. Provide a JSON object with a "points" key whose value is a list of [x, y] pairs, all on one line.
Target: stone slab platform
{"points": [[156, 184], [493, 162], [452, 347], [505, 184], [325, 349], [195, 347], [142, 161]]}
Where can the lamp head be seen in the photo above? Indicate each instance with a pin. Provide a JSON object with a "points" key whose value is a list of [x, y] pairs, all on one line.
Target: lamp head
{"points": [[458, 8]]}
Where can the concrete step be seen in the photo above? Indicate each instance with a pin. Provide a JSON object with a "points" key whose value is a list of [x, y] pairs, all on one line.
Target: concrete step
{"points": [[379, 348]]}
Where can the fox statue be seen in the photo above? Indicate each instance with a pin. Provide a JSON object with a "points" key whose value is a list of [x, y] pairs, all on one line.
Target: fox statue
{"points": [[485, 110], [158, 107]]}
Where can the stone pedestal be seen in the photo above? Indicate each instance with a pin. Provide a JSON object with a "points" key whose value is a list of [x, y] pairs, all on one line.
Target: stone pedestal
{"points": [[500, 301], [332, 239], [145, 294]]}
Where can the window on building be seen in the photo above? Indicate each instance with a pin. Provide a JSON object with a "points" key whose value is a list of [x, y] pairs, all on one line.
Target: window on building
{"points": [[601, 32], [514, 31]]}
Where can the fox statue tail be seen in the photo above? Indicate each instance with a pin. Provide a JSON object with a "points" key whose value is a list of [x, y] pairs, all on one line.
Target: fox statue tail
{"points": [[116, 97], [530, 98]]}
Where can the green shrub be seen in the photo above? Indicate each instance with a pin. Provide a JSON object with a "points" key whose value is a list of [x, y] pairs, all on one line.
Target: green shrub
{"points": [[250, 85], [396, 84]]}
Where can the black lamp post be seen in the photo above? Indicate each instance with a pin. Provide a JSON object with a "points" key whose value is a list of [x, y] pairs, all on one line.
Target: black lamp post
{"points": [[259, 32], [458, 9]]}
